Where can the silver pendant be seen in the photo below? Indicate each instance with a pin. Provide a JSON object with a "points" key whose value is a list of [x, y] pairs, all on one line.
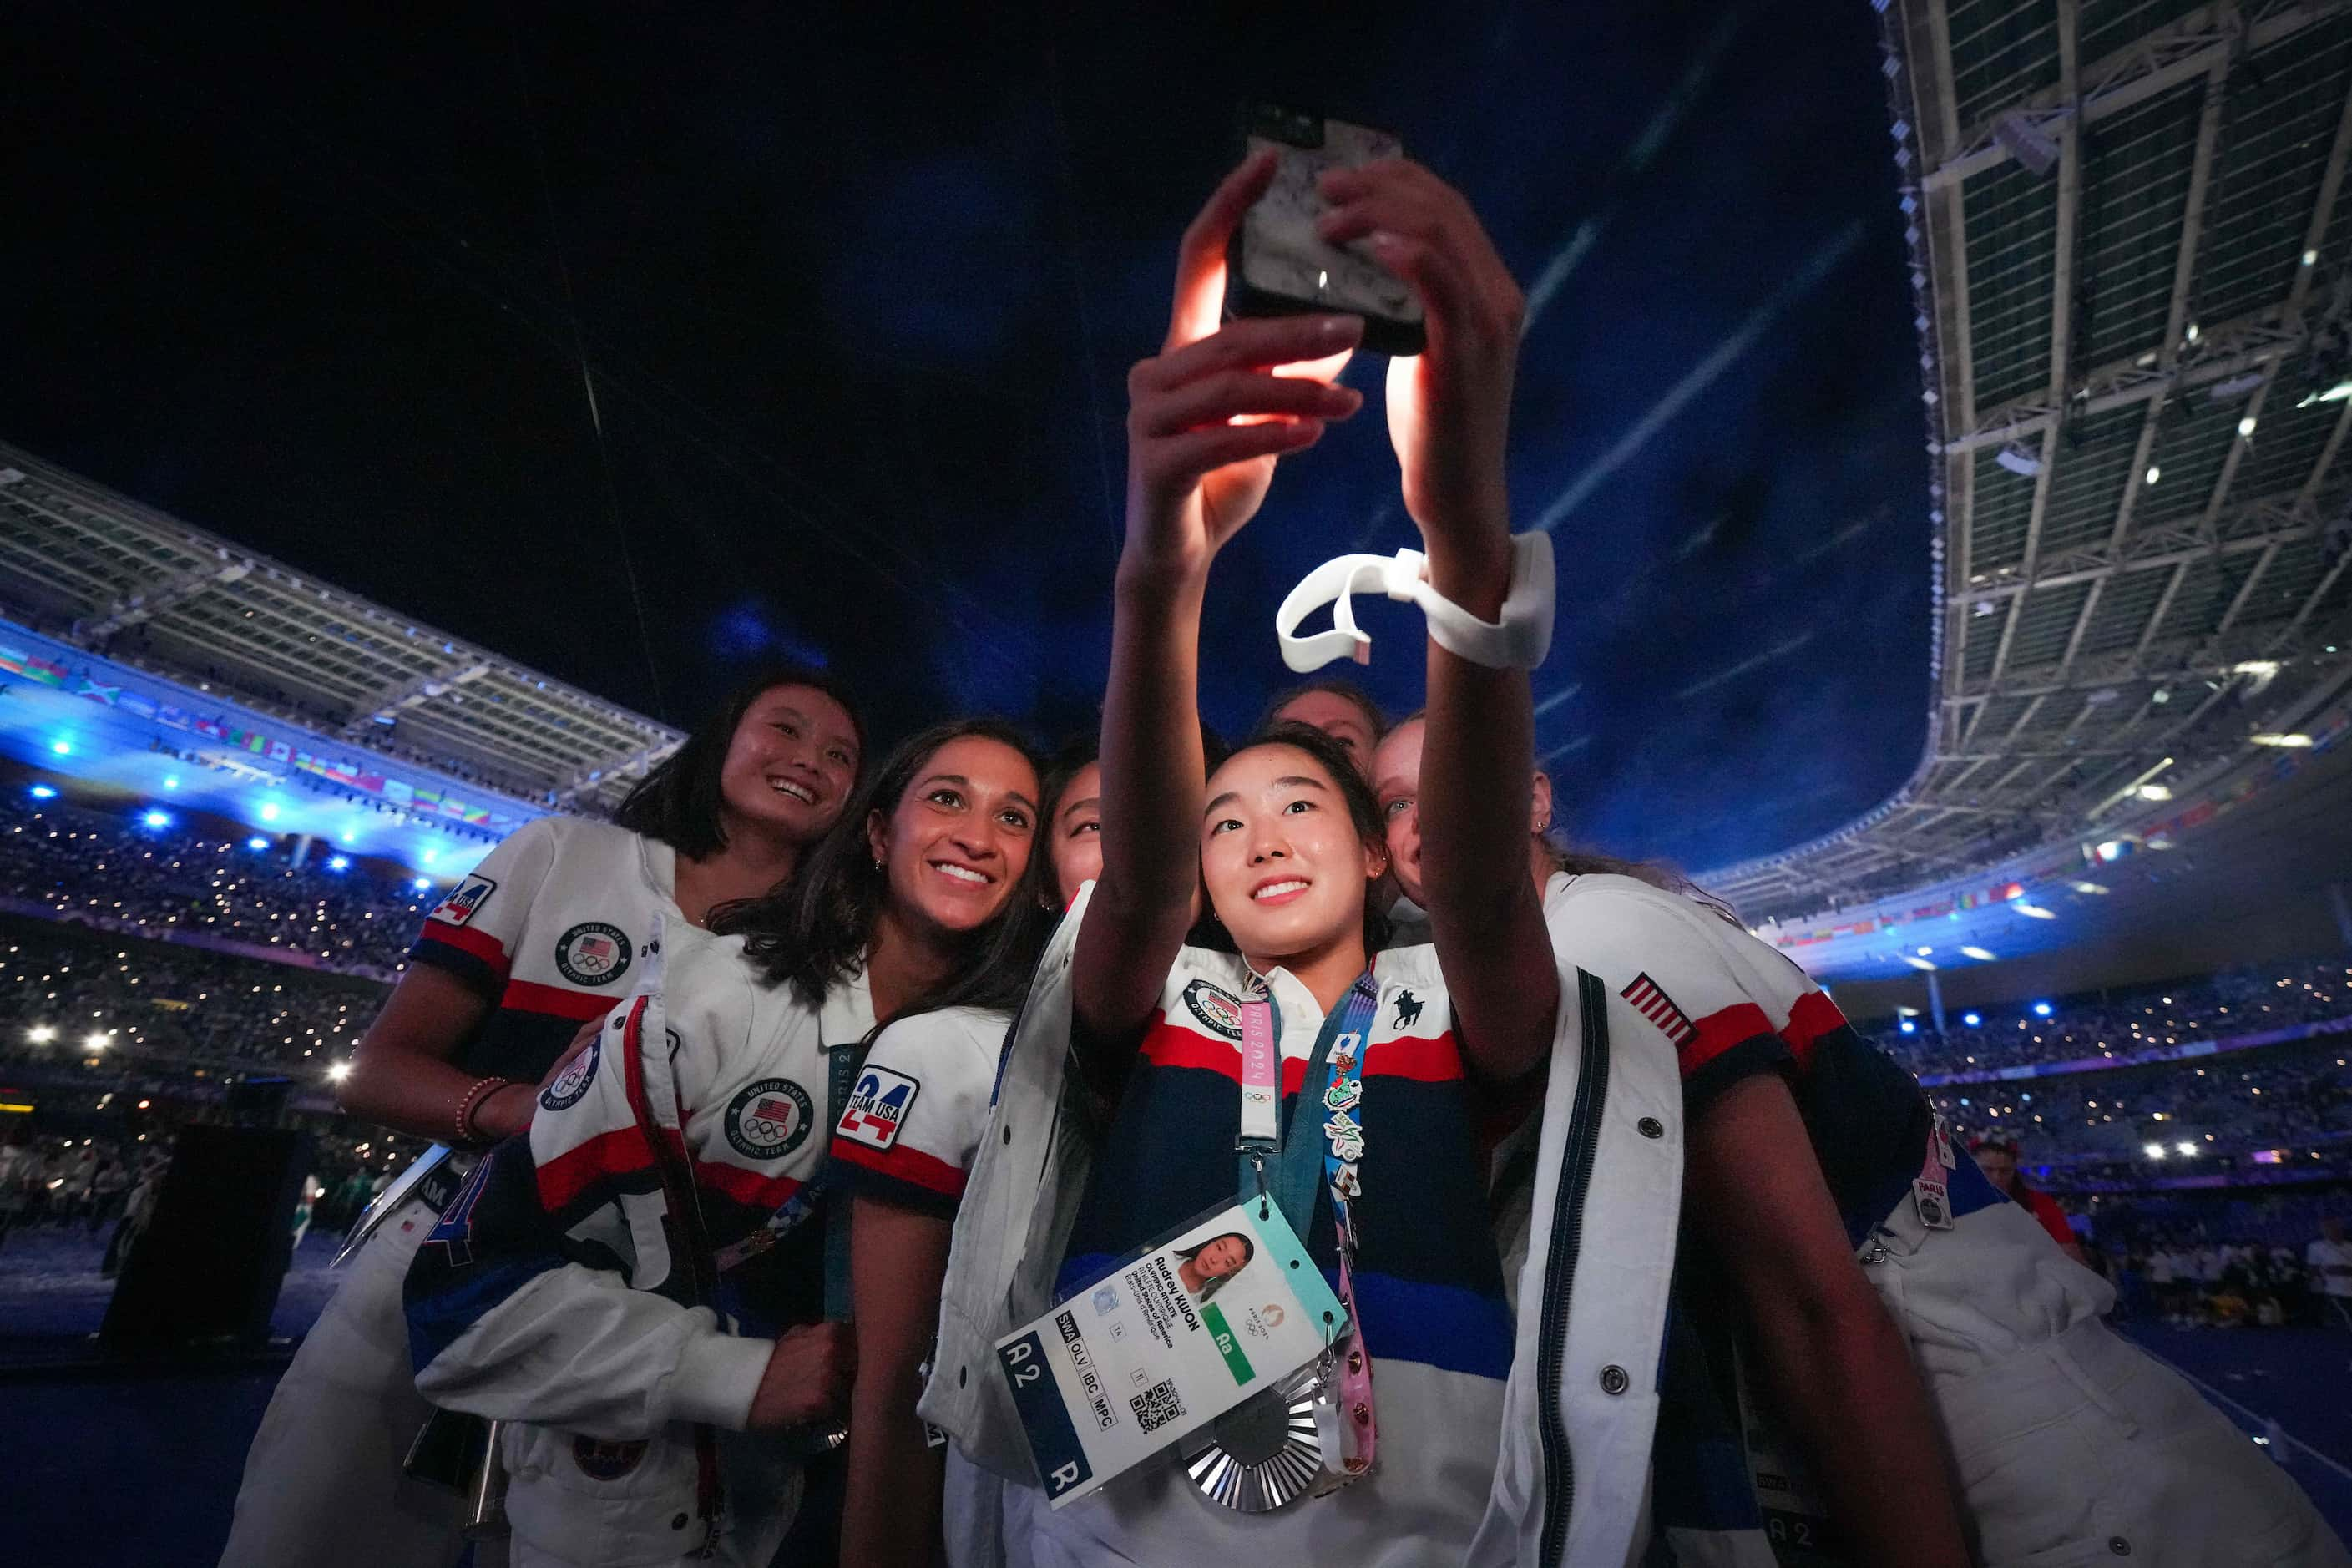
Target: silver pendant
{"points": [[1264, 1454]]}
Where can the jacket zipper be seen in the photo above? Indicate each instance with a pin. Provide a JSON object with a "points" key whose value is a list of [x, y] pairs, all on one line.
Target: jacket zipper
{"points": [[1559, 1264]]}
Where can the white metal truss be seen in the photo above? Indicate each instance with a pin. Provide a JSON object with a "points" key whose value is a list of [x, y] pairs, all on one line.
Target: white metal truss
{"points": [[2148, 620]]}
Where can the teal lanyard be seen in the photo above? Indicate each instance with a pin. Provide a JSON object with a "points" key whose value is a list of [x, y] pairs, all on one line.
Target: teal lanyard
{"points": [[1298, 1158], [841, 1064]]}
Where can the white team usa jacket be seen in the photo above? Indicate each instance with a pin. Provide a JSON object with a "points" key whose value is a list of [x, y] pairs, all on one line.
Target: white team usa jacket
{"points": [[1581, 1404], [606, 1283]]}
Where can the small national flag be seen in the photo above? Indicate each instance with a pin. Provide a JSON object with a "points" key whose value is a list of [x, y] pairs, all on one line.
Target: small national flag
{"points": [[1659, 1008]]}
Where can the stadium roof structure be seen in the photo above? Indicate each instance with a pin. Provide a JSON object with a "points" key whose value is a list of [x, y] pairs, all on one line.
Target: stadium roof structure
{"points": [[113, 577], [2133, 274]]}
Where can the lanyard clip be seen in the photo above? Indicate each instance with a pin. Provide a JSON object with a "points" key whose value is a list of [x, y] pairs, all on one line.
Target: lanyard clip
{"points": [[1257, 1152]]}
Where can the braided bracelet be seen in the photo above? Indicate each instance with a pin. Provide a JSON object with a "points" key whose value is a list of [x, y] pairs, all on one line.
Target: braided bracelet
{"points": [[482, 1089]]}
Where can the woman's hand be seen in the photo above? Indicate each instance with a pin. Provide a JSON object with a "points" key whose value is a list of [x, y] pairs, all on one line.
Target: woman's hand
{"points": [[1208, 415], [1450, 405], [807, 1380]]}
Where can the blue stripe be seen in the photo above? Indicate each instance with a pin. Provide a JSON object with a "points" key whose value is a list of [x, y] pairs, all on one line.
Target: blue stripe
{"points": [[437, 1316], [477, 974]]}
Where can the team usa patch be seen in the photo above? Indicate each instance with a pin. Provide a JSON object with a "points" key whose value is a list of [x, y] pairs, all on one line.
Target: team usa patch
{"points": [[465, 900], [573, 1082], [768, 1119], [878, 1107], [593, 954], [1659, 1008], [1218, 1011]]}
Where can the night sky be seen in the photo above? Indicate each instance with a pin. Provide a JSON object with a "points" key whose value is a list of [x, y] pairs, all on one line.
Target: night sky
{"points": [[859, 291]]}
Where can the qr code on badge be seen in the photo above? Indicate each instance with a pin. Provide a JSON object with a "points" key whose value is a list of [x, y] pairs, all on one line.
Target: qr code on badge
{"points": [[1156, 1406]]}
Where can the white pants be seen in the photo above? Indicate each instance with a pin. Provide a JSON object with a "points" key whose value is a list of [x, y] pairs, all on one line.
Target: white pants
{"points": [[2072, 1446], [323, 1487]]}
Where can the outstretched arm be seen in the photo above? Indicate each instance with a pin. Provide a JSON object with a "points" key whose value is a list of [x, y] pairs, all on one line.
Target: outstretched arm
{"points": [[1449, 417], [1207, 417]]}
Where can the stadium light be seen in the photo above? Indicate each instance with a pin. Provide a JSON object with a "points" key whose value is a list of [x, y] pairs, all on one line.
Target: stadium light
{"points": [[430, 855], [96, 1040], [1925, 951], [422, 883], [62, 748], [2293, 741], [1972, 1019], [2153, 1151], [257, 842], [1907, 1026], [340, 1071], [2154, 473], [2185, 1147], [171, 781], [1926, 965], [42, 791], [339, 863], [41, 1034], [2036, 911], [269, 811], [2154, 791], [2041, 1009], [157, 819], [2246, 425], [1980, 955], [2093, 889], [351, 835]]}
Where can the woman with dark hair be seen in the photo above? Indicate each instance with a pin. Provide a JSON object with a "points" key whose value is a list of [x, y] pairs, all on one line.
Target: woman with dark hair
{"points": [[1209, 1264], [1074, 813], [534, 944], [691, 1341], [1138, 1139]]}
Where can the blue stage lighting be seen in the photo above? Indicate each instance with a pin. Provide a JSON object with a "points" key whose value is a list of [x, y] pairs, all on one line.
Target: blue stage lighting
{"points": [[257, 842], [339, 863], [2041, 1009], [269, 811], [1971, 1019], [171, 781], [1908, 1027], [422, 883], [351, 835], [62, 748], [157, 819], [43, 791]]}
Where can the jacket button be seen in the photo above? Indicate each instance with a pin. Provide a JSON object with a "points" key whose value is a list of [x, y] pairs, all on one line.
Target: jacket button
{"points": [[1650, 1127], [1613, 1380], [2118, 1545], [1008, 1137], [678, 1522]]}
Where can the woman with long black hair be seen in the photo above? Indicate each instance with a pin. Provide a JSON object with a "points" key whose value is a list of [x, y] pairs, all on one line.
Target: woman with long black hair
{"points": [[634, 1286], [537, 941]]}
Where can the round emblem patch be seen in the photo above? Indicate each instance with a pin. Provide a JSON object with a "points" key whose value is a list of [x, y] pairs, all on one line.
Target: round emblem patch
{"points": [[573, 1082], [593, 954], [1217, 1010], [605, 1461], [770, 1119]]}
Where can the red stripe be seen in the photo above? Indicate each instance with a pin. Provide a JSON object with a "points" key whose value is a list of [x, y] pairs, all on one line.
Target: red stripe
{"points": [[1813, 1016], [531, 996], [620, 1153], [1424, 1060], [746, 1187], [466, 940], [1718, 1032], [902, 1163]]}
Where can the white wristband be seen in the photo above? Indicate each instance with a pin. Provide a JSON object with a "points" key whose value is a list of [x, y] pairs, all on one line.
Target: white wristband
{"points": [[1519, 641]]}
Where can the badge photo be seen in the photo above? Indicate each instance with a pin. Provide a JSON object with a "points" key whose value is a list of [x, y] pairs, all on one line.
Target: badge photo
{"points": [[465, 900], [573, 1082], [593, 954], [1217, 1010], [770, 1119], [877, 1107]]}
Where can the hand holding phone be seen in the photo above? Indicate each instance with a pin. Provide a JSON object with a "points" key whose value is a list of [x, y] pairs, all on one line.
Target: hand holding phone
{"points": [[1277, 261]]}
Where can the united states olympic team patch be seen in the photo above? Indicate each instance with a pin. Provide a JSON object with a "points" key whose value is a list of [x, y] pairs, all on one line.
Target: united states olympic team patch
{"points": [[1217, 1010], [768, 1119], [593, 954], [573, 1082]]}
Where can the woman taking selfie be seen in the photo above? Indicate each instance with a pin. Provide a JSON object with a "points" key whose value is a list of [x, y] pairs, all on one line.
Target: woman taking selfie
{"points": [[537, 941], [632, 1354]]}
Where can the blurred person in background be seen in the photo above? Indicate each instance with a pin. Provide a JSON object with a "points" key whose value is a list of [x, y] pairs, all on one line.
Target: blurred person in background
{"points": [[2330, 1261], [1995, 1156]]}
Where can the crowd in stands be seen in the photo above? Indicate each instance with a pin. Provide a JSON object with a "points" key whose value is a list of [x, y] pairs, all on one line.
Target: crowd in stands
{"points": [[73, 863], [2221, 1007], [2224, 1261]]}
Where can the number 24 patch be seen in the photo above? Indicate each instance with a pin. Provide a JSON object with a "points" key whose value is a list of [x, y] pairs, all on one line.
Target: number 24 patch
{"points": [[878, 1106]]}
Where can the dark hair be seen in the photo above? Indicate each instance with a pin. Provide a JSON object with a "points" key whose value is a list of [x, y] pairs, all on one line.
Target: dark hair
{"points": [[679, 802], [1332, 684], [1363, 814], [812, 932], [1209, 1286]]}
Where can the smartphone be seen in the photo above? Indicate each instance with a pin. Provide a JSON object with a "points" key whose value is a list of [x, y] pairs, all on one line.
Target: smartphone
{"points": [[1276, 265]]}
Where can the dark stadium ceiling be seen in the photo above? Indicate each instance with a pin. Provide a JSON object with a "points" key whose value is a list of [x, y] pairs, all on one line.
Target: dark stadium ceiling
{"points": [[858, 288]]}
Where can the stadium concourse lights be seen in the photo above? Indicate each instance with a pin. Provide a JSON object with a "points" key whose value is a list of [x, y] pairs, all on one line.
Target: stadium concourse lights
{"points": [[41, 1034], [2041, 1009], [157, 819], [1972, 1019], [1980, 954], [2034, 910], [340, 1071], [2293, 741], [42, 791], [1916, 962], [1908, 1026], [2153, 1151], [96, 1040], [257, 842], [339, 863], [422, 883], [2185, 1148]]}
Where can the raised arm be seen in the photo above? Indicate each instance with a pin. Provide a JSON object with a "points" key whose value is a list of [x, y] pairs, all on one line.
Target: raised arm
{"points": [[1207, 417], [1449, 418]]}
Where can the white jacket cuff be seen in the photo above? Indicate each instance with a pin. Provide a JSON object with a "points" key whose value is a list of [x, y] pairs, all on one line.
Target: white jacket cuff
{"points": [[718, 1376]]}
